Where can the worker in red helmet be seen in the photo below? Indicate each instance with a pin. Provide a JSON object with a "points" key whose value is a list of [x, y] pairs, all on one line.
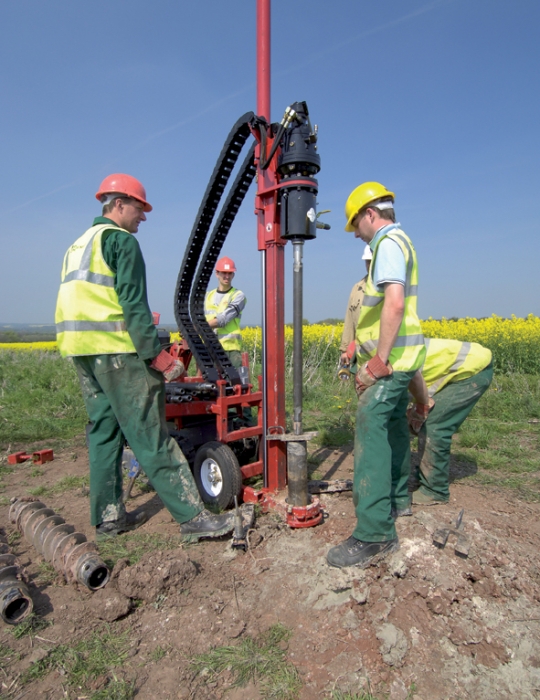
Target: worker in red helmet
{"points": [[104, 323], [223, 309]]}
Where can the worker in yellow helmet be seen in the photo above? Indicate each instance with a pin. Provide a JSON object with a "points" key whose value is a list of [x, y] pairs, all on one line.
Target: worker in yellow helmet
{"points": [[104, 323], [454, 376], [390, 349]]}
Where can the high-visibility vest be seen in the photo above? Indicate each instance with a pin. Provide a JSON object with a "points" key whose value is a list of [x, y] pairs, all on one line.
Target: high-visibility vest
{"points": [[452, 360], [89, 318], [408, 351], [229, 336]]}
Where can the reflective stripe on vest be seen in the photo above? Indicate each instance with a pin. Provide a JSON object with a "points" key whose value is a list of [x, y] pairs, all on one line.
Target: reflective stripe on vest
{"points": [[451, 360], [89, 317], [229, 336], [408, 350]]}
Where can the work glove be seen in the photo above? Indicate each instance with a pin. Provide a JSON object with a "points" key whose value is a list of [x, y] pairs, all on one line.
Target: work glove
{"points": [[370, 373], [417, 415], [167, 365], [351, 350]]}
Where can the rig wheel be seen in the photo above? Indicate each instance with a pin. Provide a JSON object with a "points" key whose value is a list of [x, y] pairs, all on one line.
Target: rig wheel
{"points": [[217, 474]]}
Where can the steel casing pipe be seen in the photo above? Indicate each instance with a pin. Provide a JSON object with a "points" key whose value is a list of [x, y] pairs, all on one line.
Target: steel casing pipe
{"points": [[15, 600]]}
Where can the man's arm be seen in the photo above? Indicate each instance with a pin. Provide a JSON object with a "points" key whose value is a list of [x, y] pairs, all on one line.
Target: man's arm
{"points": [[234, 308], [351, 316], [123, 255], [391, 318], [418, 388]]}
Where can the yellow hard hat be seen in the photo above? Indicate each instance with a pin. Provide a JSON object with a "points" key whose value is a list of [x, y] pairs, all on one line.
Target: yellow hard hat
{"points": [[362, 195]]}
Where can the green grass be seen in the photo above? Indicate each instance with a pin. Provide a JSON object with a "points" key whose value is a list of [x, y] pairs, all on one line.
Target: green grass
{"points": [[46, 574], [7, 655], [30, 626], [133, 545], [40, 398], [262, 660], [67, 483], [87, 660]]}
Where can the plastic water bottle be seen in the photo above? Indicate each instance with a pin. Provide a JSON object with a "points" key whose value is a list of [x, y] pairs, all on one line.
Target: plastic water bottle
{"points": [[129, 462]]}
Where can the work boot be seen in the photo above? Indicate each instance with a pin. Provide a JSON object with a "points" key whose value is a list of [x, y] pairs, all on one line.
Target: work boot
{"points": [[206, 524], [419, 498], [128, 521], [353, 552], [400, 512]]}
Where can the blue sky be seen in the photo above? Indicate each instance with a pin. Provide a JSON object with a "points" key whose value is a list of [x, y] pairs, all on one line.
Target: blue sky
{"points": [[437, 100]]}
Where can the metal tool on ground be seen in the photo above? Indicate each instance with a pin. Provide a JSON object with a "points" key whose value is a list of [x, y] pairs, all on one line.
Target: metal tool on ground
{"points": [[462, 546], [330, 486], [39, 457], [15, 601], [134, 470], [239, 540], [68, 551]]}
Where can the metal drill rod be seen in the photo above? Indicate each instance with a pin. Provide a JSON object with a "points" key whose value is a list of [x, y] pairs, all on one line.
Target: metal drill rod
{"points": [[298, 335]]}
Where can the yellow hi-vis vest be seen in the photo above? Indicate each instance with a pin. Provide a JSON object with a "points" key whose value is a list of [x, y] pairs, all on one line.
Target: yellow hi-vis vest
{"points": [[451, 360], [229, 336], [408, 351], [89, 318]]}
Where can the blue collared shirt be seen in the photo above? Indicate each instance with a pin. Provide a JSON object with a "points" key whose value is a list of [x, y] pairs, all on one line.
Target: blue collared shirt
{"points": [[390, 261]]}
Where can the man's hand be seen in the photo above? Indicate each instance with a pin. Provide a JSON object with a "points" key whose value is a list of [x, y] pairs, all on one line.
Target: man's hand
{"points": [[169, 367], [212, 322], [417, 415], [370, 373], [344, 360]]}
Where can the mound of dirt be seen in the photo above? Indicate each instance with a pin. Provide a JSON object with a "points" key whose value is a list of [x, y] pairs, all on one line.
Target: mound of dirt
{"points": [[157, 573]]}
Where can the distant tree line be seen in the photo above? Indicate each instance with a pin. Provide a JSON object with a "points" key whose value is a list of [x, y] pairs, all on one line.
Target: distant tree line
{"points": [[25, 337]]}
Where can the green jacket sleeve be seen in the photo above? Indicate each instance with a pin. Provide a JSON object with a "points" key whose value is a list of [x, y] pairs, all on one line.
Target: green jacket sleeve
{"points": [[123, 255]]}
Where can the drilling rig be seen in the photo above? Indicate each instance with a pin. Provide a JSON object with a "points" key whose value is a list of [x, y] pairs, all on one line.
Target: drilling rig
{"points": [[207, 409]]}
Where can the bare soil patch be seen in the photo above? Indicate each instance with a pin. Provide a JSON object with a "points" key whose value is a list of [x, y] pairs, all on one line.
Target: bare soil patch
{"points": [[426, 624]]}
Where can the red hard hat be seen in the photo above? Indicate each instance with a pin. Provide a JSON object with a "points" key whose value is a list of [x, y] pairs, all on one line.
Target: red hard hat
{"points": [[225, 265], [123, 184]]}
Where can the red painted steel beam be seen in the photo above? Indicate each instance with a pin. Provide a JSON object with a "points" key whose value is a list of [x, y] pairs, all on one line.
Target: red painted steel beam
{"points": [[272, 245]]}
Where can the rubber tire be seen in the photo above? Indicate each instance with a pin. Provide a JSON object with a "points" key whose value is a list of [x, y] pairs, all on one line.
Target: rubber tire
{"points": [[228, 468]]}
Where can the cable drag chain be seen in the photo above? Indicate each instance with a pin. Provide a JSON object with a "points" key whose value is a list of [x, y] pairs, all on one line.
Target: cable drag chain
{"points": [[214, 191]]}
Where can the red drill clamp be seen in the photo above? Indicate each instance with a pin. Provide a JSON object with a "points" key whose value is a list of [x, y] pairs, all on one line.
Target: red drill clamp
{"points": [[39, 457]]}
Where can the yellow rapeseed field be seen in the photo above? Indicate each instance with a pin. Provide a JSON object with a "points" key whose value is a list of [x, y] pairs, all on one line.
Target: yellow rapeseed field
{"points": [[514, 342]]}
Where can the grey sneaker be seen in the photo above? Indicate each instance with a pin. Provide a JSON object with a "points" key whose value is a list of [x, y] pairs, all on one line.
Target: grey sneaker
{"points": [[129, 521], [353, 552], [206, 524]]}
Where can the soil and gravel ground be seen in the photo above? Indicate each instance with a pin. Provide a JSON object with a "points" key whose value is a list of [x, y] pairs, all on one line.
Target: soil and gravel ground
{"points": [[424, 625]]}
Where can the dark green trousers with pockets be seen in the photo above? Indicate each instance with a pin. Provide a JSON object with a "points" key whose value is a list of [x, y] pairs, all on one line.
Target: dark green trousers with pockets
{"points": [[381, 457], [453, 403], [126, 399]]}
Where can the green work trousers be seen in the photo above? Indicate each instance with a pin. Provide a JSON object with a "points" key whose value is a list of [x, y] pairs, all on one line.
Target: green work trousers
{"points": [[453, 403], [126, 399], [381, 457]]}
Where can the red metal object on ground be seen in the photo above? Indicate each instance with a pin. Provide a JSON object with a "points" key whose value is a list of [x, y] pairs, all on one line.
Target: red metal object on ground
{"points": [[39, 457]]}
